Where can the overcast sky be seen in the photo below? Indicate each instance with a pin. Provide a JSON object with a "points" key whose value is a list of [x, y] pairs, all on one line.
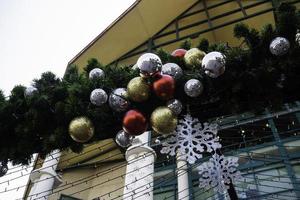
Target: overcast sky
{"points": [[43, 35]]}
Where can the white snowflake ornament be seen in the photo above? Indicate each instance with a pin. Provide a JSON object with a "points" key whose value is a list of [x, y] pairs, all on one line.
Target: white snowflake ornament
{"points": [[218, 172], [191, 139]]}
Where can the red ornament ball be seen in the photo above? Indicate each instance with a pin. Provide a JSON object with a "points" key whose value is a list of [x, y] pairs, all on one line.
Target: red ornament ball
{"points": [[134, 123], [179, 53], [164, 87]]}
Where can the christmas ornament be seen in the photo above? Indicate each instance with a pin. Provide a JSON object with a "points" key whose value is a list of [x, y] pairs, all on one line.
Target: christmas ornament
{"points": [[81, 129], [3, 168], [98, 97], [297, 37], [134, 123], [30, 91], [164, 87], [214, 64], [218, 172], [118, 100], [279, 46], [172, 69], [163, 121], [179, 53], [123, 139], [96, 73], [149, 64], [191, 139], [193, 57], [193, 87], [138, 89], [175, 105]]}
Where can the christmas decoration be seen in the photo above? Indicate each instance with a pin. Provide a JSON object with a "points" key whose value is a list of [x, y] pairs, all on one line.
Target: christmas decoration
{"points": [[164, 87], [29, 91], [118, 100], [123, 139], [96, 73], [193, 57], [149, 64], [178, 53], [218, 172], [191, 139], [172, 69], [134, 123], [81, 129], [175, 105], [213, 64], [3, 168], [138, 89], [279, 46], [98, 97], [193, 88], [163, 121]]}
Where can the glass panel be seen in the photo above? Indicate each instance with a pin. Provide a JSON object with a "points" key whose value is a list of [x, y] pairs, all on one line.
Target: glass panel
{"points": [[286, 124]]}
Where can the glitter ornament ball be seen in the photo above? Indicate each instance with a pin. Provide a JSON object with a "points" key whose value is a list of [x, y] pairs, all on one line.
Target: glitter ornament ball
{"points": [[81, 129], [164, 87], [134, 123], [123, 139], [118, 100], [175, 105], [179, 53], [98, 97], [214, 64], [96, 73], [172, 69], [163, 120], [138, 89], [194, 57], [193, 88], [149, 64], [279, 46], [30, 91]]}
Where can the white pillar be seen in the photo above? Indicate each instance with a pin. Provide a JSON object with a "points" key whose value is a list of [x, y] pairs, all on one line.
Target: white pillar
{"points": [[182, 177], [140, 169], [44, 178]]}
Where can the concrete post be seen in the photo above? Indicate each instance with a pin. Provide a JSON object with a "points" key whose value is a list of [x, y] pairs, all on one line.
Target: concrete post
{"points": [[182, 177]]}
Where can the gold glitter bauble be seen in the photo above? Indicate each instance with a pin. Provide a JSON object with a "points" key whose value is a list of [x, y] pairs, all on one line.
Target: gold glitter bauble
{"points": [[163, 120], [194, 56], [81, 129], [138, 90]]}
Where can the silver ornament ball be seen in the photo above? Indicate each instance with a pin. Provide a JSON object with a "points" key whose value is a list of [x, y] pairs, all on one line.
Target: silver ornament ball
{"points": [[123, 139], [175, 105], [279, 46], [3, 168], [96, 73], [213, 64], [118, 100], [149, 64], [172, 69], [193, 88], [98, 97], [29, 91]]}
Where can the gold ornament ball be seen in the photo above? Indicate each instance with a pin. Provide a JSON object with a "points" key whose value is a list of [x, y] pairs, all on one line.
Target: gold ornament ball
{"points": [[81, 129], [194, 56], [138, 89], [163, 121]]}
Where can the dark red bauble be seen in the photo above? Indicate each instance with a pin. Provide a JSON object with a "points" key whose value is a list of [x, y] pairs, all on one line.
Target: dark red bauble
{"points": [[179, 53], [134, 123], [164, 87]]}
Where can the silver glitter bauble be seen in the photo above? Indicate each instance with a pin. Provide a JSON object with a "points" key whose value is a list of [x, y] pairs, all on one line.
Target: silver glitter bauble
{"points": [[213, 64], [118, 100], [172, 69], [123, 139], [149, 64], [29, 91], [98, 97], [193, 87], [96, 73], [175, 105], [279, 46], [3, 168]]}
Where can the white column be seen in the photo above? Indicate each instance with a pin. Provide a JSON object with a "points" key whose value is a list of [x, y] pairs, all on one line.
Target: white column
{"points": [[182, 177], [140, 169], [44, 178]]}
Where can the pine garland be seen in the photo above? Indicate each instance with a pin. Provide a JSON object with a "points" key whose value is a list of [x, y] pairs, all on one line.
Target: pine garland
{"points": [[254, 79]]}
